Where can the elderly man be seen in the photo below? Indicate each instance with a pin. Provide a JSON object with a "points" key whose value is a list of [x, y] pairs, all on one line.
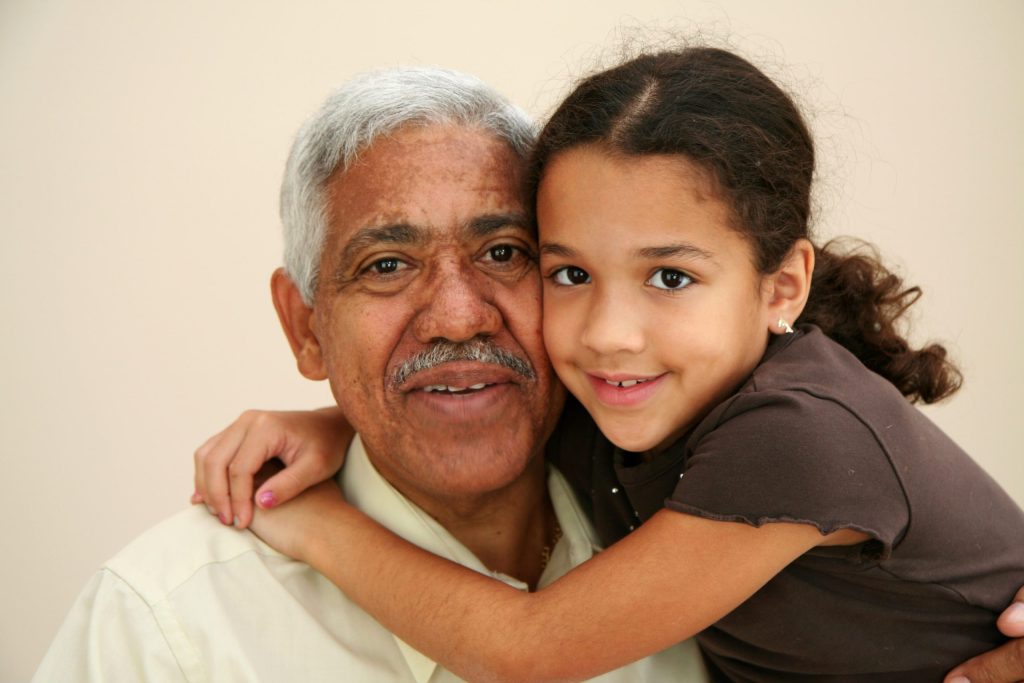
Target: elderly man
{"points": [[435, 357]]}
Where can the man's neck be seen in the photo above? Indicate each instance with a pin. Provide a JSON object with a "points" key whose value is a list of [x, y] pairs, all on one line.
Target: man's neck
{"points": [[510, 530], [513, 533]]}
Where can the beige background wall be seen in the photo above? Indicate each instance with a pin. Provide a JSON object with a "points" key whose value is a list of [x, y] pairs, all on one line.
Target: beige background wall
{"points": [[141, 146]]}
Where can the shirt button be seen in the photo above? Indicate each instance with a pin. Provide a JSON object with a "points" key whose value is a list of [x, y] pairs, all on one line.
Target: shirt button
{"points": [[615, 489]]}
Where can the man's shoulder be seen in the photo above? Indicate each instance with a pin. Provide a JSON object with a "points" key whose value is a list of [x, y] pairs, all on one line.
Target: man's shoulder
{"points": [[168, 554]]}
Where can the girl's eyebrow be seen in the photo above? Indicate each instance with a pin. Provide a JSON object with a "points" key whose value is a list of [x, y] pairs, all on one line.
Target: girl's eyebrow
{"points": [[667, 251], [674, 250], [556, 249]]}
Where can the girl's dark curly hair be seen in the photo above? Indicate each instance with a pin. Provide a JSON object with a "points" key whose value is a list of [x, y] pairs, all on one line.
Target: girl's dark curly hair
{"points": [[723, 114]]}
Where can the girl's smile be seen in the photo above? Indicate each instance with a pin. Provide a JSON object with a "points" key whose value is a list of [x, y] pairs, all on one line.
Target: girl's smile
{"points": [[653, 309], [624, 391]]}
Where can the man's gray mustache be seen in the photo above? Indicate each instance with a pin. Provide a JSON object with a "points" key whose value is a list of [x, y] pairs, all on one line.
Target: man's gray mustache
{"points": [[478, 350]]}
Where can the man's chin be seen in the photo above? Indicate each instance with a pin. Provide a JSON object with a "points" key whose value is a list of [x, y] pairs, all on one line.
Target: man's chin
{"points": [[444, 465]]}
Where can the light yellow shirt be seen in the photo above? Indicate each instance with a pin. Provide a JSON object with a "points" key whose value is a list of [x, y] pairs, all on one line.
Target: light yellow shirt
{"points": [[191, 600]]}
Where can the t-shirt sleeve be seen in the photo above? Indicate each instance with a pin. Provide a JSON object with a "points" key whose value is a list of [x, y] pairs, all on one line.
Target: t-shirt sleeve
{"points": [[788, 456]]}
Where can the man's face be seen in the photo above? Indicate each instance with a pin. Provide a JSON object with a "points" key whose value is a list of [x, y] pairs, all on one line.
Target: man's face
{"points": [[428, 245]]}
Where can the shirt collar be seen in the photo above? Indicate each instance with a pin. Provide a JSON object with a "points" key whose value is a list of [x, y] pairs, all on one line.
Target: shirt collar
{"points": [[367, 490]]}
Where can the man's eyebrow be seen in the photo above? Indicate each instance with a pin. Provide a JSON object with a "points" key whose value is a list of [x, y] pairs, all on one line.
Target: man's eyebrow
{"points": [[674, 250], [396, 233], [490, 223]]}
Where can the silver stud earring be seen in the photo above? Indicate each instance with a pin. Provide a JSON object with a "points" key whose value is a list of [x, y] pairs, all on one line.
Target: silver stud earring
{"points": [[783, 325]]}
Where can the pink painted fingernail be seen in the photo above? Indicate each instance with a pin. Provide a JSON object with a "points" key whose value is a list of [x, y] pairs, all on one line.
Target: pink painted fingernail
{"points": [[960, 679], [224, 519], [267, 500]]}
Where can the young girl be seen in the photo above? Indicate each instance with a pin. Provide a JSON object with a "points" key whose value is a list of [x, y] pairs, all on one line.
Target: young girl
{"points": [[790, 507]]}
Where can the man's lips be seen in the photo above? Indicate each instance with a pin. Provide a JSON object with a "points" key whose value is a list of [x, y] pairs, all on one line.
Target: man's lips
{"points": [[459, 377], [466, 393]]}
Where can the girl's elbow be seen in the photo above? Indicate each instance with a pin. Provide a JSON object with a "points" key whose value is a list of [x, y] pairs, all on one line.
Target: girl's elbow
{"points": [[530, 667]]}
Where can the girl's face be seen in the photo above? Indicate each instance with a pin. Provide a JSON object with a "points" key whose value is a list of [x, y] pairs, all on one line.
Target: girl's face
{"points": [[653, 309]]}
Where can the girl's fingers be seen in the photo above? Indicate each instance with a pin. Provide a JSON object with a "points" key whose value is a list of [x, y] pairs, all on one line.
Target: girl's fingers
{"points": [[212, 469], [254, 451], [198, 493], [308, 443], [291, 481]]}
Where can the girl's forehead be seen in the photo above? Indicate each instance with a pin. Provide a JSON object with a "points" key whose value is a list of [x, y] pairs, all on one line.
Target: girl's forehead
{"points": [[587, 188], [598, 160]]}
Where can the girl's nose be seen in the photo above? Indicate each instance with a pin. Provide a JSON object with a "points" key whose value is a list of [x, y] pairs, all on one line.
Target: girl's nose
{"points": [[613, 326]]}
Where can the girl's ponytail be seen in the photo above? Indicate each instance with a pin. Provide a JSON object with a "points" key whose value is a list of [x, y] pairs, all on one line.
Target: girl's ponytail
{"points": [[859, 302]]}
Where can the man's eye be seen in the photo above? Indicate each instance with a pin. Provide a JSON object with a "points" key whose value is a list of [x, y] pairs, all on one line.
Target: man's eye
{"points": [[508, 253], [386, 266], [570, 276], [502, 253], [668, 278]]}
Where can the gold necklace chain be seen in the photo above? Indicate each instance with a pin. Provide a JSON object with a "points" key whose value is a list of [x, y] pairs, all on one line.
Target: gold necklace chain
{"points": [[545, 552]]}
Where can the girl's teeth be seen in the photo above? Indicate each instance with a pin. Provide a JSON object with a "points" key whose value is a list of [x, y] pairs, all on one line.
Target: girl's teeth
{"points": [[626, 383]]}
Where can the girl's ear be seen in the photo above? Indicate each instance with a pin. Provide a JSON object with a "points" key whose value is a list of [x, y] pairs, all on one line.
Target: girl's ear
{"points": [[786, 289]]}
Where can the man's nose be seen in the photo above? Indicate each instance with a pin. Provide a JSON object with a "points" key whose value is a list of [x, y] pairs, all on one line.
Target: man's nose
{"points": [[459, 305], [613, 325]]}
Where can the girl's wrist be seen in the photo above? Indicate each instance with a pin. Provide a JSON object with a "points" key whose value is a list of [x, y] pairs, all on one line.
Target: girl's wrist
{"points": [[318, 543]]}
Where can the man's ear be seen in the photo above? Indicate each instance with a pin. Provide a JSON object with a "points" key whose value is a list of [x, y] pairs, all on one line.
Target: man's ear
{"points": [[787, 289], [295, 317]]}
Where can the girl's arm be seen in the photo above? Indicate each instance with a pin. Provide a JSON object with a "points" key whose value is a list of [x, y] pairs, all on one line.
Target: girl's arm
{"points": [[310, 444], [663, 583]]}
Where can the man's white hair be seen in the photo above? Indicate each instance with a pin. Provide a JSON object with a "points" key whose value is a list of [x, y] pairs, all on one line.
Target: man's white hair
{"points": [[370, 106]]}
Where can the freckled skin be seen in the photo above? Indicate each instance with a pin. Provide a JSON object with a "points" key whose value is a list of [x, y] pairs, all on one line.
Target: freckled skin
{"points": [[449, 286]]}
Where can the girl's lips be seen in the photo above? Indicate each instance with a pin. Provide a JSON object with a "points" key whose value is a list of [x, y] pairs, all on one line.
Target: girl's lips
{"points": [[624, 396]]}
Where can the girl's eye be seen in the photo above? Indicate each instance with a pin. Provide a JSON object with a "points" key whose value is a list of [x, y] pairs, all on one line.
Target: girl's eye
{"points": [[570, 276], [668, 278]]}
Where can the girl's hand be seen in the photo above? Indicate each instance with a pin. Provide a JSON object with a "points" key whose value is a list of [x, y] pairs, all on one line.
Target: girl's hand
{"points": [[310, 444], [291, 529], [1005, 664]]}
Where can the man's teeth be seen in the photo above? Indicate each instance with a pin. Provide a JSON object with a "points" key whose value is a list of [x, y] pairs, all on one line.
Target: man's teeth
{"points": [[625, 384], [454, 390]]}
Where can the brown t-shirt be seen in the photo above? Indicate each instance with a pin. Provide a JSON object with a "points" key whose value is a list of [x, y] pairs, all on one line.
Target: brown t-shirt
{"points": [[815, 437]]}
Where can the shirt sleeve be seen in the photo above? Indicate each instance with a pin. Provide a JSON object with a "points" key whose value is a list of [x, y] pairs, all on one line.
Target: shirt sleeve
{"points": [[788, 456], [112, 636]]}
